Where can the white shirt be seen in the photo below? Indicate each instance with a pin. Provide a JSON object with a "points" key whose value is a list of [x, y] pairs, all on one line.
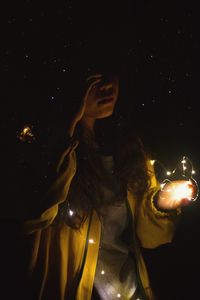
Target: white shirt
{"points": [[115, 273]]}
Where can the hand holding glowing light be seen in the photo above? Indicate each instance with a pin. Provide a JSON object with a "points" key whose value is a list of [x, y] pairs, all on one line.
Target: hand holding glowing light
{"points": [[175, 194], [179, 188]]}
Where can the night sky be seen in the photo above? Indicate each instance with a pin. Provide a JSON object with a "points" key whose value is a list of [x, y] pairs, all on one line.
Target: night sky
{"points": [[44, 44]]}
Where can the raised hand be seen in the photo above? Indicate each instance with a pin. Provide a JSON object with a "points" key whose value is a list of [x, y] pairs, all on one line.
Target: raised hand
{"points": [[91, 82]]}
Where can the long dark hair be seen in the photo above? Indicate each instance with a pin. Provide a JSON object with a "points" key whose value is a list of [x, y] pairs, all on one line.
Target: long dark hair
{"points": [[85, 193]]}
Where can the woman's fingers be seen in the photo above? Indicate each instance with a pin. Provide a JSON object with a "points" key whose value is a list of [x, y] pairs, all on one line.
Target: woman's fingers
{"points": [[91, 85], [92, 77]]}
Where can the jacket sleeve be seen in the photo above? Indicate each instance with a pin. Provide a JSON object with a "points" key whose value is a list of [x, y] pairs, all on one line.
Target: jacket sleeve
{"points": [[153, 227], [56, 194], [36, 180]]}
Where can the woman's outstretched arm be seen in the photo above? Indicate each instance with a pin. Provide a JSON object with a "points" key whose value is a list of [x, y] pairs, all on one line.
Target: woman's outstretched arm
{"points": [[154, 227]]}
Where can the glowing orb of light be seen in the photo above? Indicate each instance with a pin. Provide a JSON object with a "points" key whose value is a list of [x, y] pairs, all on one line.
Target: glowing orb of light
{"points": [[182, 191]]}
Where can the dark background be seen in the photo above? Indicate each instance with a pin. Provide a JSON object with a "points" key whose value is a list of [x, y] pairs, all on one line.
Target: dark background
{"points": [[43, 44]]}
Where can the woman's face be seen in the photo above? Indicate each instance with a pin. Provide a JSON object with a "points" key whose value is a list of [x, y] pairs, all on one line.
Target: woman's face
{"points": [[102, 97]]}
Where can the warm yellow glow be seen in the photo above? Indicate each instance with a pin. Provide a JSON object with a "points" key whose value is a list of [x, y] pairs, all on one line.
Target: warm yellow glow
{"points": [[188, 188], [102, 272], [118, 295], [91, 241], [152, 162], [183, 161], [162, 185], [26, 130], [26, 134], [182, 191]]}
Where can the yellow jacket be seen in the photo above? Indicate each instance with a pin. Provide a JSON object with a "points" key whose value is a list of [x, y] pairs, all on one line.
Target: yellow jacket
{"points": [[63, 260]]}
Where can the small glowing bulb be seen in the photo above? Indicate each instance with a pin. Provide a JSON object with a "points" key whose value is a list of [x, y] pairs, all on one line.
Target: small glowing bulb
{"points": [[193, 172], [118, 295], [162, 185], [102, 272], [184, 168], [71, 212], [152, 162], [91, 241], [26, 130], [183, 161], [168, 173], [26, 134]]}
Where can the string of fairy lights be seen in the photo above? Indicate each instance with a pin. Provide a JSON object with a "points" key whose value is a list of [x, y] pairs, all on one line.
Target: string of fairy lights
{"points": [[185, 172]]}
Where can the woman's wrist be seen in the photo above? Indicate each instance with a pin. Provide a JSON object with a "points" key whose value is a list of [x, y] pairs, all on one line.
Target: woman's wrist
{"points": [[156, 205]]}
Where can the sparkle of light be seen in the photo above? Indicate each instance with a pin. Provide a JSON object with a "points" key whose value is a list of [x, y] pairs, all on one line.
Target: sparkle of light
{"points": [[91, 241], [71, 212], [162, 185], [26, 133], [152, 162], [182, 191]]}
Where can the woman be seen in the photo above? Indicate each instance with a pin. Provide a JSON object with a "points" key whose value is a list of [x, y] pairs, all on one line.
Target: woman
{"points": [[101, 205]]}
